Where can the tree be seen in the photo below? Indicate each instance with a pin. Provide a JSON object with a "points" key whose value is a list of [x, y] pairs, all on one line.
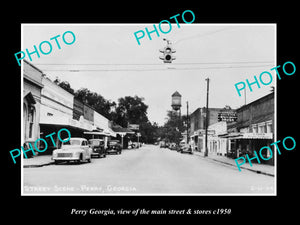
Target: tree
{"points": [[97, 101], [130, 110], [133, 110], [173, 127], [64, 84], [148, 132]]}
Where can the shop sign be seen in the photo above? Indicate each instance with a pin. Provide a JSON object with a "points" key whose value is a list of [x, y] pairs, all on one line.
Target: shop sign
{"points": [[227, 115], [257, 135], [134, 126], [202, 132]]}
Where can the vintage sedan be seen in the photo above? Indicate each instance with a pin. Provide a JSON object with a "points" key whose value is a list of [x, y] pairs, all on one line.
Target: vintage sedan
{"points": [[97, 146], [114, 147], [76, 150], [173, 146], [186, 149]]}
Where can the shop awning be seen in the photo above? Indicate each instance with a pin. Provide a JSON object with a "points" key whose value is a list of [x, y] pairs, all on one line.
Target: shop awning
{"points": [[29, 97], [104, 132], [239, 135], [122, 130], [233, 135], [257, 136]]}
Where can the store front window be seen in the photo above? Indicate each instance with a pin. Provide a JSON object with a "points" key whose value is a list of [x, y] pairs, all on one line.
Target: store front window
{"points": [[254, 128], [31, 115], [269, 127]]}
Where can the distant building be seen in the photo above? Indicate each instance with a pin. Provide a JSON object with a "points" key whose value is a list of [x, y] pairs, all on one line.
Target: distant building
{"points": [[253, 129], [217, 145], [197, 125], [77, 109]]}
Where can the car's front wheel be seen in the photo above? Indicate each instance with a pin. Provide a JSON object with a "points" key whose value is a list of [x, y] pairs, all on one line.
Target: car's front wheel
{"points": [[90, 158], [80, 159]]}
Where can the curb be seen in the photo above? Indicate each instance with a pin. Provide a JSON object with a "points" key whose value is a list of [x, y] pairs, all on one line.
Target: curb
{"points": [[38, 165], [252, 170]]}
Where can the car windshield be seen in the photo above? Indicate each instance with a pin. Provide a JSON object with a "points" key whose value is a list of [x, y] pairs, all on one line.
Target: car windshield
{"points": [[72, 142], [113, 142], [94, 142]]}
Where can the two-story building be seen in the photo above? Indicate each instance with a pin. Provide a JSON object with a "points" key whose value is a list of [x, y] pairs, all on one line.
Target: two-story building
{"points": [[32, 86], [197, 126], [253, 129]]}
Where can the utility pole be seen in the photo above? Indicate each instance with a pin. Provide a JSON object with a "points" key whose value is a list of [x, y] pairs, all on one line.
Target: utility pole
{"points": [[187, 122], [138, 136], [206, 118]]}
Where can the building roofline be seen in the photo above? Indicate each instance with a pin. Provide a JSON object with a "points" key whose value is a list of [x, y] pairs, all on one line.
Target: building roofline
{"points": [[209, 108], [33, 66], [255, 101]]}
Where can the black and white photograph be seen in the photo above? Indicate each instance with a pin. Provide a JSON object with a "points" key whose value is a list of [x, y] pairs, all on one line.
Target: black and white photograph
{"points": [[149, 112], [164, 109]]}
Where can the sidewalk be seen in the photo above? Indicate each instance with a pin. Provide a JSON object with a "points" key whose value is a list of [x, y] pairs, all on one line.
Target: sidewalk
{"points": [[37, 161], [256, 167]]}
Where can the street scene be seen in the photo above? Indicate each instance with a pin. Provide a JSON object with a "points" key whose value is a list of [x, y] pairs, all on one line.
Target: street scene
{"points": [[149, 169], [102, 115]]}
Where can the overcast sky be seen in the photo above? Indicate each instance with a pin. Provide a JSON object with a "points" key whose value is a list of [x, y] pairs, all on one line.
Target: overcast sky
{"points": [[106, 59]]}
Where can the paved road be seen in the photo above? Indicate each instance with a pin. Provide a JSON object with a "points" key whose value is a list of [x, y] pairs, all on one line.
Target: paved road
{"points": [[148, 170]]}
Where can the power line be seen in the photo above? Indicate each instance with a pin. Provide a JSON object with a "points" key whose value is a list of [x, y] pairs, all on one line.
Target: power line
{"points": [[203, 35], [158, 69], [144, 64]]}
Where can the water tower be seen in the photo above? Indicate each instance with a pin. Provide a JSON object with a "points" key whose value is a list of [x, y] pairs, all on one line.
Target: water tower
{"points": [[176, 101]]}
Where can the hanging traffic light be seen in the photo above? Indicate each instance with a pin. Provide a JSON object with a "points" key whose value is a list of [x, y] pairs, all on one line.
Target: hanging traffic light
{"points": [[167, 51]]}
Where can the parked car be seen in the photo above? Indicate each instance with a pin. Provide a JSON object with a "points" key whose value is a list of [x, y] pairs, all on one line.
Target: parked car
{"points": [[186, 149], [97, 146], [162, 144], [181, 146], [132, 145], [114, 146], [173, 146], [137, 144], [75, 149]]}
